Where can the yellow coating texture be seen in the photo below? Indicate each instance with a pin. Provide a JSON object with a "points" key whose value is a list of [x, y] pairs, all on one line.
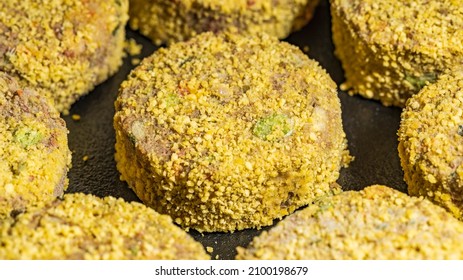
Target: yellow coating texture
{"points": [[62, 47], [375, 223], [165, 21], [390, 49], [81, 226], [431, 143], [229, 132], [34, 155]]}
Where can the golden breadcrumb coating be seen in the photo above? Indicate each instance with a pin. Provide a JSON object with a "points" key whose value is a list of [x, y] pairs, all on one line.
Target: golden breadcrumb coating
{"points": [[81, 226], [391, 49], [64, 48], [229, 132], [431, 143], [34, 153], [375, 223], [168, 21]]}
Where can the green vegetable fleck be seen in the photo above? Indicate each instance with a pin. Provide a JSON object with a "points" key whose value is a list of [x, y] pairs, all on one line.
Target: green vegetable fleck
{"points": [[132, 139], [273, 127], [134, 250], [18, 168], [419, 82], [186, 60], [325, 205], [115, 30], [460, 130], [172, 99], [27, 137]]}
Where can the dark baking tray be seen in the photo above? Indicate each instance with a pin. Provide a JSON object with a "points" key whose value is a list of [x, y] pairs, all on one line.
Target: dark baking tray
{"points": [[371, 131]]}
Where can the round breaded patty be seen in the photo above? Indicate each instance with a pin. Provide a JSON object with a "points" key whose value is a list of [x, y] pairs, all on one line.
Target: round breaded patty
{"points": [[81, 226], [390, 49], [168, 21], [375, 223], [63, 48], [34, 153], [229, 132], [431, 143]]}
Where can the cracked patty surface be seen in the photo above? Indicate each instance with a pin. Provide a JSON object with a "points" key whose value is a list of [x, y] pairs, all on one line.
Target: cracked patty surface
{"points": [[375, 223], [34, 153], [226, 132], [81, 226]]}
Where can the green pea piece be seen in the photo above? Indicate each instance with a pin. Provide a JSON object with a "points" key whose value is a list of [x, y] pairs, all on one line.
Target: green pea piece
{"points": [[172, 99], [419, 82], [27, 137], [460, 130], [132, 138], [273, 127]]}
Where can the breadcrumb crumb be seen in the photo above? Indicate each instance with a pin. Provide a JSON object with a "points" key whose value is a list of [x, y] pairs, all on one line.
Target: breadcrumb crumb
{"points": [[75, 117], [132, 47]]}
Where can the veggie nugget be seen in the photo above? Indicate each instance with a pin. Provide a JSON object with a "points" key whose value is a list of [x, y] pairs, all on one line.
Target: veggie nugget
{"points": [[390, 49], [229, 132], [375, 223], [166, 21], [87, 227], [34, 153], [431, 143], [64, 48]]}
